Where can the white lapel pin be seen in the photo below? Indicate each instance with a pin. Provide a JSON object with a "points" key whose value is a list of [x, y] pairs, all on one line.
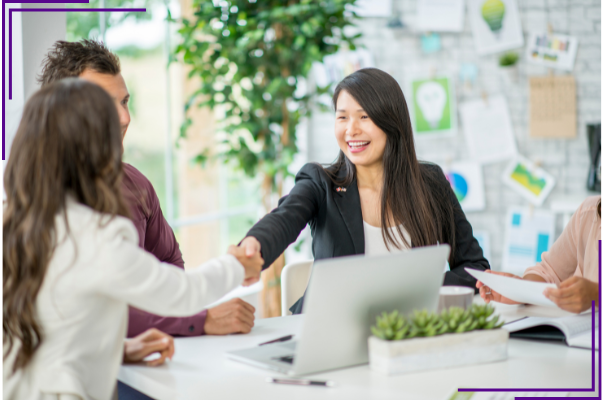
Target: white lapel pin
{"points": [[341, 189]]}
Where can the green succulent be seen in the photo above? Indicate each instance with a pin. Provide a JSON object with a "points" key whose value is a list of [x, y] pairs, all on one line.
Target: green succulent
{"points": [[481, 314], [391, 326], [458, 320], [425, 324], [508, 59], [395, 326]]}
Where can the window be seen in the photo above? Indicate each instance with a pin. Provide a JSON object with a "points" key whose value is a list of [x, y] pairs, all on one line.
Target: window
{"points": [[208, 208]]}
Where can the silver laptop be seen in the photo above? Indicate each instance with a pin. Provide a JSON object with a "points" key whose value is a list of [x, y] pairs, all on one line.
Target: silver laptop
{"points": [[344, 296]]}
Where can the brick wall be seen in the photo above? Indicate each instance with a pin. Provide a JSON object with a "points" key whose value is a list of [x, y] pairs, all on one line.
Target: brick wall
{"points": [[396, 51]]}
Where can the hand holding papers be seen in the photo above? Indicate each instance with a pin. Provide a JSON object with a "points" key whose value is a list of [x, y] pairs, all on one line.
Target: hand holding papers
{"points": [[515, 289]]}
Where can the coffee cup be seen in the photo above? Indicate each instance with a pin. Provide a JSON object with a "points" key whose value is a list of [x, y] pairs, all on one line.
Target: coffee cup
{"points": [[455, 296]]}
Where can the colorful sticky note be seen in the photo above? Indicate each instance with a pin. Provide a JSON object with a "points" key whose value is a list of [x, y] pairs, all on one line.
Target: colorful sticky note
{"points": [[430, 43]]}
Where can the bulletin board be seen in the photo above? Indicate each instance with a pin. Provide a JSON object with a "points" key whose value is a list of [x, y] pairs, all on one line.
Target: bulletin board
{"points": [[553, 107]]}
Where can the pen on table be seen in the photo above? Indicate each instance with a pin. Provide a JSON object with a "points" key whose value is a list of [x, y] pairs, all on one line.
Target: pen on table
{"points": [[281, 339], [303, 382]]}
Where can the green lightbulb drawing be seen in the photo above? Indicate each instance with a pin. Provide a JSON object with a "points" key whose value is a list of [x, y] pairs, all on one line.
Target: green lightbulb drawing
{"points": [[493, 12]]}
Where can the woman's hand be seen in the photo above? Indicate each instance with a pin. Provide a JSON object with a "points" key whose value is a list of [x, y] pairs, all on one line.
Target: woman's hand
{"points": [[251, 245], [574, 294], [149, 342], [489, 295], [248, 254]]}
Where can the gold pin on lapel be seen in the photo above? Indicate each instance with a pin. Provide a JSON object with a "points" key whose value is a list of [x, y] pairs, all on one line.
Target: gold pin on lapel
{"points": [[341, 189]]}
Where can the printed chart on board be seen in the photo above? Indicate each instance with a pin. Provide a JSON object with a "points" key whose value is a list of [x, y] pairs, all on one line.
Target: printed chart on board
{"points": [[529, 233]]}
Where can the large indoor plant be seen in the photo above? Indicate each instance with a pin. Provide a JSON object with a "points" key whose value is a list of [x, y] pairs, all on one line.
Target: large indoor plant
{"points": [[251, 60], [427, 340]]}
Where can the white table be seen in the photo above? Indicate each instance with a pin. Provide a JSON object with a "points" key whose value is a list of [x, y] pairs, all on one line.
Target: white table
{"points": [[200, 370]]}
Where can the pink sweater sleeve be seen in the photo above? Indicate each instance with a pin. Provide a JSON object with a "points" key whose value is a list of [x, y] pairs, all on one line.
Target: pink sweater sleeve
{"points": [[560, 262]]}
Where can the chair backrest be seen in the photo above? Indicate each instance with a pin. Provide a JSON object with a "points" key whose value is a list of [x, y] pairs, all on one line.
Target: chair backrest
{"points": [[294, 279]]}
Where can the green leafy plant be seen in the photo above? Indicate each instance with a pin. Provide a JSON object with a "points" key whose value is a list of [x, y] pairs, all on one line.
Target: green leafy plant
{"points": [[251, 60], [481, 314], [425, 324], [395, 326], [458, 320], [391, 326], [508, 59]]}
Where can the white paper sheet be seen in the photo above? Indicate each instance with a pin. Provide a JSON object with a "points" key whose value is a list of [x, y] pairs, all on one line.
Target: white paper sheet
{"points": [[488, 129], [515, 289], [440, 15]]}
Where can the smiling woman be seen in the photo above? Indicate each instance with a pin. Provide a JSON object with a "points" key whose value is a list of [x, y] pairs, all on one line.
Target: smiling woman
{"points": [[376, 198], [355, 132]]}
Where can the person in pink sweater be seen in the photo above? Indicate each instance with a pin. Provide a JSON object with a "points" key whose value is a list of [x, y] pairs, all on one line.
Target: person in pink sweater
{"points": [[572, 263]]}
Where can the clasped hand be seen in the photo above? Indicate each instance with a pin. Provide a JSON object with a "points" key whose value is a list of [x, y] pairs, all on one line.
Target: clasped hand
{"points": [[248, 254], [575, 294]]}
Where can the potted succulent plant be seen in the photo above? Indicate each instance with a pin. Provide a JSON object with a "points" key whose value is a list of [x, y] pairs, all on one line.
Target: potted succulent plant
{"points": [[426, 340], [508, 65]]}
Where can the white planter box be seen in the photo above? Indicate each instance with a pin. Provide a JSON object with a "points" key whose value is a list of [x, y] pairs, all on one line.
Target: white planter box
{"points": [[449, 350]]}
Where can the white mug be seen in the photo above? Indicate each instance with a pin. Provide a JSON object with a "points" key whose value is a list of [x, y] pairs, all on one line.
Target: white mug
{"points": [[455, 296]]}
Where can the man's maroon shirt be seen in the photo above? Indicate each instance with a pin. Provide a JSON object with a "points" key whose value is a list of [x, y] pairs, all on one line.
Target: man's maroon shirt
{"points": [[155, 236]]}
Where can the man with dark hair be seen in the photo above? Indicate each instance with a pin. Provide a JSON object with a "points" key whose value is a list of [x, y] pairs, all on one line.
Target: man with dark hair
{"points": [[92, 61]]}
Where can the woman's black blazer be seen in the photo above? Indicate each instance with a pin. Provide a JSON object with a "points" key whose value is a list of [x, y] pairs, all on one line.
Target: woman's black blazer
{"points": [[336, 224]]}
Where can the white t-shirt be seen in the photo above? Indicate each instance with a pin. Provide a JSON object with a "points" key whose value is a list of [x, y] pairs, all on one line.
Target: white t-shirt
{"points": [[374, 242]]}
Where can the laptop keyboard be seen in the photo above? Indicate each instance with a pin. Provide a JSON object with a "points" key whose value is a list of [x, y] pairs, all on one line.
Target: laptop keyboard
{"points": [[285, 359]]}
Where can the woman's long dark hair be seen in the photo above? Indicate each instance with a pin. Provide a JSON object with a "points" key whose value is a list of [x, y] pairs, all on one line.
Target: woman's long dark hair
{"points": [[413, 195], [69, 142]]}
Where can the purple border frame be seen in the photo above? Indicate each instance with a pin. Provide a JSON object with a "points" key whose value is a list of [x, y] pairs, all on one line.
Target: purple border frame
{"points": [[10, 39], [4, 2], [593, 355]]}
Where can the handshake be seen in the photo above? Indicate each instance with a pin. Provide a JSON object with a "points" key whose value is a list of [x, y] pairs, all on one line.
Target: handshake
{"points": [[248, 254]]}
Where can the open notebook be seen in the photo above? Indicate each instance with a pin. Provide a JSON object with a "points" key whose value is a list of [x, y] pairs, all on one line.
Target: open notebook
{"points": [[575, 330]]}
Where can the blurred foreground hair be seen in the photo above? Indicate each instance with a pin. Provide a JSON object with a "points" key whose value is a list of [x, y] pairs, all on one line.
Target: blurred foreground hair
{"points": [[69, 144]]}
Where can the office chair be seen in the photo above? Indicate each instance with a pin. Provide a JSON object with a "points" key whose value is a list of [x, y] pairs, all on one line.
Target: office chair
{"points": [[294, 279]]}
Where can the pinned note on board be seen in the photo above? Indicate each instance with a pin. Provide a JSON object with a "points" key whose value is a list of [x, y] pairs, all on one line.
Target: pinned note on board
{"points": [[529, 233], [554, 51], [529, 180], [488, 129], [440, 15], [553, 107], [495, 25], [466, 180], [433, 108], [430, 43]]}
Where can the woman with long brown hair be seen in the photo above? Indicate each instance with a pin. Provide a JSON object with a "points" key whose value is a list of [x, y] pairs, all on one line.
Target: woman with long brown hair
{"points": [[377, 197], [71, 263]]}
